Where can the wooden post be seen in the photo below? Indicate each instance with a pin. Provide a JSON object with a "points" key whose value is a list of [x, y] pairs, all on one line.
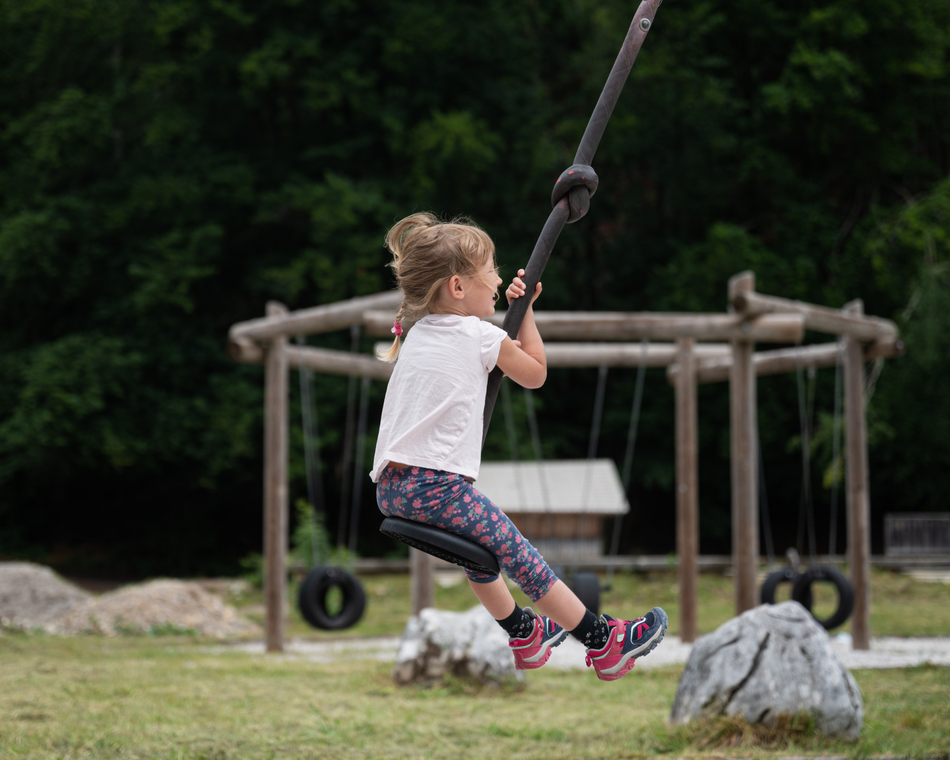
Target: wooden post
{"points": [[856, 477], [421, 580], [275, 484], [687, 490], [742, 402]]}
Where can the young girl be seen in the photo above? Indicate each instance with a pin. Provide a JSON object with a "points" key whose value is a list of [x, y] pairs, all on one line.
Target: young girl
{"points": [[429, 447]]}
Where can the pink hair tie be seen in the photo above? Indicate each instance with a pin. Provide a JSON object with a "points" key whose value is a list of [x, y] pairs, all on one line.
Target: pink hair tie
{"points": [[397, 329]]}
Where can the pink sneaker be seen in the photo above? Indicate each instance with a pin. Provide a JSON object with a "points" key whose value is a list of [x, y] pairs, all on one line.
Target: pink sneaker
{"points": [[628, 640], [534, 650]]}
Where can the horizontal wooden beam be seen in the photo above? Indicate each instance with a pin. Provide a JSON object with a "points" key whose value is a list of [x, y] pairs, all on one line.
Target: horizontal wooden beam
{"points": [[713, 360], [818, 318], [324, 360], [624, 354], [318, 319], [616, 354], [777, 362], [569, 325], [245, 350], [330, 362]]}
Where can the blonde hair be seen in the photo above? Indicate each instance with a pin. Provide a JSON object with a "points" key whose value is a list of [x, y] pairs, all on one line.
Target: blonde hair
{"points": [[427, 252]]}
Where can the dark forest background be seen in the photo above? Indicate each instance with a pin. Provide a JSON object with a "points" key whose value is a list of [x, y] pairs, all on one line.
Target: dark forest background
{"points": [[167, 167]]}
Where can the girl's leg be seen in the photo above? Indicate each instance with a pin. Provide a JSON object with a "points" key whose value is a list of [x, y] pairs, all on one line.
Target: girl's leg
{"points": [[530, 636], [560, 603], [495, 597], [448, 501], [562, 606]]}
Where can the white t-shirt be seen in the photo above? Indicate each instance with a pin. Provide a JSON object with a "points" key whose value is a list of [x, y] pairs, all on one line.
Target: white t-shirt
{"points": [[433, 412]]}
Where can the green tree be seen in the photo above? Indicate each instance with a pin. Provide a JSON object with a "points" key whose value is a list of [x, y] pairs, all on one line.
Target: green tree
{"points": [[167, 167]]}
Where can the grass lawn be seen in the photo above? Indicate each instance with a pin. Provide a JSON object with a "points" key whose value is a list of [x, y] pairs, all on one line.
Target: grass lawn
{"points": [[188, 697]]}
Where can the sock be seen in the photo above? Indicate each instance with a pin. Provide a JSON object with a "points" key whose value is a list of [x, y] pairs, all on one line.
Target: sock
{"points": [[518, 624], [591, 631]]}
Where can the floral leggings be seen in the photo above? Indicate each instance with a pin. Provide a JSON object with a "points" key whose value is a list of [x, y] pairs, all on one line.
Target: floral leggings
{"points": [[446, 500]]}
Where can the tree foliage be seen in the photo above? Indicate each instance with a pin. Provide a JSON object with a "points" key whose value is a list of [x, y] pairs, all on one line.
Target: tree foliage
{"points": [[168, 166]]}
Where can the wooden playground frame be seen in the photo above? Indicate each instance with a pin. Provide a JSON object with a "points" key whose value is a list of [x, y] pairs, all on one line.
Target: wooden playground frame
{"points": [[699, 348]]}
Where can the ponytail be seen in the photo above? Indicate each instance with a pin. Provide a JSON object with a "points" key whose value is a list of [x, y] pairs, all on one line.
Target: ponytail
{"points": [[392, 353]]}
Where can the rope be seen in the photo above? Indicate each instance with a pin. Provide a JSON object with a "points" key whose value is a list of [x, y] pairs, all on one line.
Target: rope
{"points": [[627, 471], [598, 411], [358, 469], [311, 455], [595, 429], [835, 453], [533, 424], [512, 439], [536, 443], [764, 504], [348, 439], [806, 506], [509, 423], [634, 417], [574, 188]]}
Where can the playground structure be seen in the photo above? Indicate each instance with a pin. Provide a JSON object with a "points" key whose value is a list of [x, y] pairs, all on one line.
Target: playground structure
{"points": [[695, 348]]}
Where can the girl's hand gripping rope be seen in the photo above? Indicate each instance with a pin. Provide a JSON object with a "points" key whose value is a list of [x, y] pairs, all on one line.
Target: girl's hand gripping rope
{"points": [[517, 288], [523, 360]]}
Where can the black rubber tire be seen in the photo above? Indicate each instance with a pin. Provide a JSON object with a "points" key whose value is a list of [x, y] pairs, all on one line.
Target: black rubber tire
{"points": [[825, 574], [312, 598], [587, 588], [775, 579]]}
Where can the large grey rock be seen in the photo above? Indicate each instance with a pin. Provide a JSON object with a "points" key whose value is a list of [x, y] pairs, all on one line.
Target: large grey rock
{"points": [[467, 644], [769, 661]]}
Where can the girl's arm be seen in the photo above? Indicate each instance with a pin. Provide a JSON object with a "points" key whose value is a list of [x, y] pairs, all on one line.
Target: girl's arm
{"points": [[524, 360]]}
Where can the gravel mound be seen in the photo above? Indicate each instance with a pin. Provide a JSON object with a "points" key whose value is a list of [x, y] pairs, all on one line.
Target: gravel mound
{"points": [[33, 596], [158, 606]]}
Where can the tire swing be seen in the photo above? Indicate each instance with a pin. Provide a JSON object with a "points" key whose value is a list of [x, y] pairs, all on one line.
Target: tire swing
{"points": [[802, 593], [313, 598], [802, 582], [802, 588], [324, 582], [787, 574]]}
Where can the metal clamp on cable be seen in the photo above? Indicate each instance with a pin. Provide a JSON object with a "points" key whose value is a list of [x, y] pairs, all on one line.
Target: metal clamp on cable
{"points": [[578, 183]]}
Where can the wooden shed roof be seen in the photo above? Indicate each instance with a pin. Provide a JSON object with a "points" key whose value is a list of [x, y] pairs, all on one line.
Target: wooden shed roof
{"points": [[565, 486]]}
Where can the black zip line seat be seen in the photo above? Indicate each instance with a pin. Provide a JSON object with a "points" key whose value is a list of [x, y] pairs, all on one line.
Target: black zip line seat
{"points": [[440, 543]]}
